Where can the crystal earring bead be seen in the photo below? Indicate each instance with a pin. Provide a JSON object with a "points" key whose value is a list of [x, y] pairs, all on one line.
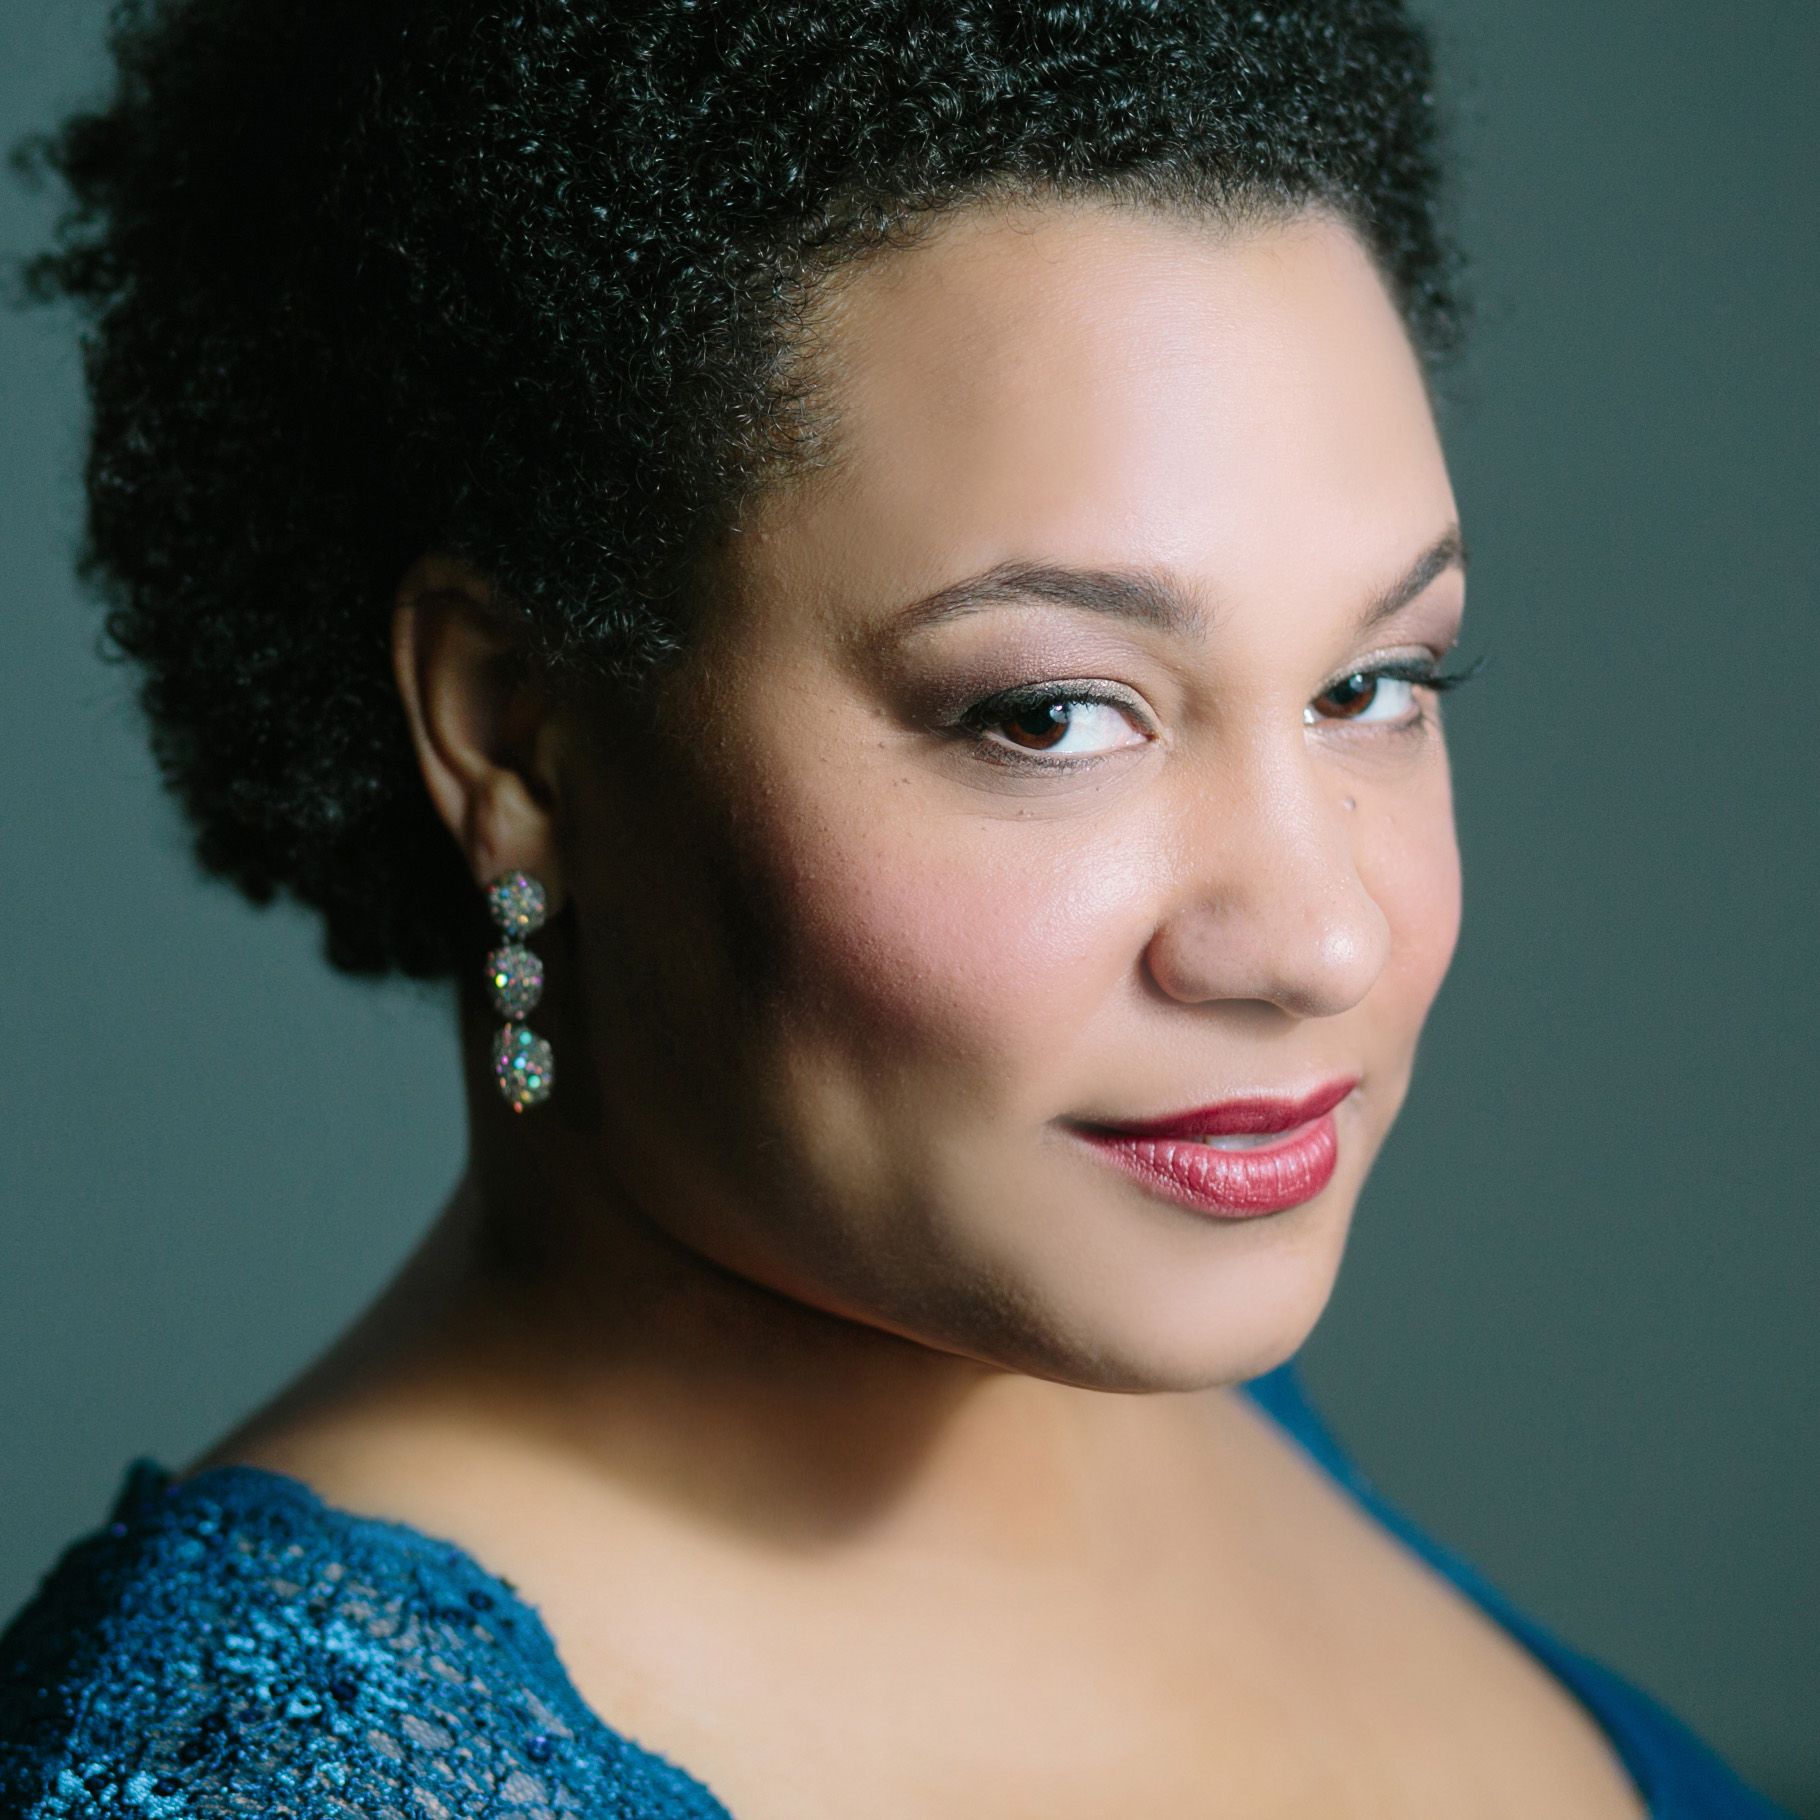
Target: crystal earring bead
{"points": [[514, 980], [522, 1062]]}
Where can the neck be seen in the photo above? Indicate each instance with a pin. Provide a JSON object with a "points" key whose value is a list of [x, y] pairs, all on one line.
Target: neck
{"points": [[544, 1319]]}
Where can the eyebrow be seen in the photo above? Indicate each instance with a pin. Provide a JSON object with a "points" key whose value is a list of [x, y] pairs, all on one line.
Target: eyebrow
{"points": [[1136, 594], [1151, 600], [1448, 551]]}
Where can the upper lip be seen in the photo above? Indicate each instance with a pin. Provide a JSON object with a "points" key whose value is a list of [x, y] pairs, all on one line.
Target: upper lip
{"points": [[1255, 1114]]}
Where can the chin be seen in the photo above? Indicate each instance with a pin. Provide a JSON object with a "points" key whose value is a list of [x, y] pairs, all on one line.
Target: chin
{"points": [[1181, 1304], [1203, 1349]]}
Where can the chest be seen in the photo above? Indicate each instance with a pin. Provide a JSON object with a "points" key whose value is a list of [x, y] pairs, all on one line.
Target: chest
{"points": [[1359, 1688]]}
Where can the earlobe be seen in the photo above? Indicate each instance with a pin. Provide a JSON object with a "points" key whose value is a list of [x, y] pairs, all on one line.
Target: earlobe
{"points": [[481, 726]]}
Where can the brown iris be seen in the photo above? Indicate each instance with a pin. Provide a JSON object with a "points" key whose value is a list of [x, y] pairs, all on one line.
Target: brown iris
{"points": [[1348, 698], [1037, 728]]}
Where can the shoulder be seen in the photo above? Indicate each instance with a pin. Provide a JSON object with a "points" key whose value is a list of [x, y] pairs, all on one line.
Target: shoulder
{"points": [[230, 1645]]}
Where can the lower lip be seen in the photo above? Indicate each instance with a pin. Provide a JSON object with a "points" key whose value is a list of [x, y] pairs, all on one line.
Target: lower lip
{"points": [[1229, 1184]]}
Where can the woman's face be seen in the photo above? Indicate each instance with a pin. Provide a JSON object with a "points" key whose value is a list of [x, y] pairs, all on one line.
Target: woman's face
{"points": [[1020, 870]]}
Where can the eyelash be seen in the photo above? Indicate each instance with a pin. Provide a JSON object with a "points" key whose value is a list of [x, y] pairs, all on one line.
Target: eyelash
{"points": [[1423, 673]]}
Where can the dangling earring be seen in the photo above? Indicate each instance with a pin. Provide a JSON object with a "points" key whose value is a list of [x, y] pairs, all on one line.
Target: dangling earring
{"points": [[521, 1058]]}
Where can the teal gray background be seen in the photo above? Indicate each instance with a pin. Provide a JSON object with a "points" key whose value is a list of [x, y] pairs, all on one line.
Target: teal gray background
{"points": [[1577, 1335]]}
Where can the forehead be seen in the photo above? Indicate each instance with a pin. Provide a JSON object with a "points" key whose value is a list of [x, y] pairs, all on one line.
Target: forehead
{"points": [[1121, 389]]}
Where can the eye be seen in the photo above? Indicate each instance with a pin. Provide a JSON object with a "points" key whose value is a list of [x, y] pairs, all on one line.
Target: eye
{"points": [[1367, 695], [1059, 726]]}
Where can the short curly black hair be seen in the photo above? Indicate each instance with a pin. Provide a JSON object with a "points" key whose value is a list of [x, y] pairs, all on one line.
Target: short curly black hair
{"points": [[514, 280]]}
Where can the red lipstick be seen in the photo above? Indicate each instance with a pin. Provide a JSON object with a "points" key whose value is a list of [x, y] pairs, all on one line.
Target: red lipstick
{"points": [[1173, 1156]]}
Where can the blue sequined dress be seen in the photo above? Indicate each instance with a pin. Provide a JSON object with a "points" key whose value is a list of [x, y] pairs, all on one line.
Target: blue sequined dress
{"points": [[231, 1646]]}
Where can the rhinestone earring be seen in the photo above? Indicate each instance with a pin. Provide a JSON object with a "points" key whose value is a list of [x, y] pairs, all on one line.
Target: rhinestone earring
{"points": [[521, 1058]]}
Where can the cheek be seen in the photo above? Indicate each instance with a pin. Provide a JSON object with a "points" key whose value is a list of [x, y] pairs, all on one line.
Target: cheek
{"points": [[908, 933]]}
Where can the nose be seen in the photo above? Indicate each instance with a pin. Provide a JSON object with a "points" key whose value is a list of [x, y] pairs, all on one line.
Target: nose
{"points": [[1270, 906]]}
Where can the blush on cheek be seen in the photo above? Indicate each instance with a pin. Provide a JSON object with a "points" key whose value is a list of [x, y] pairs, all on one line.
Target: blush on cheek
{"points": [[994, 941]]}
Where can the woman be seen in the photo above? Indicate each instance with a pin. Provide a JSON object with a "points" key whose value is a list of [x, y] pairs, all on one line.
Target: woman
{"points": [[898, 555]]}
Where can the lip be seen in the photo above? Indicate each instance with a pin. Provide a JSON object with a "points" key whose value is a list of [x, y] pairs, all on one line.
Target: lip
{"points": [[1165, 1156]]}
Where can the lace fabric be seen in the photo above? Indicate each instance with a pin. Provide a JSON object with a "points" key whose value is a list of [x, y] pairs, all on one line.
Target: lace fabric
{"points": [[230, 1645]]}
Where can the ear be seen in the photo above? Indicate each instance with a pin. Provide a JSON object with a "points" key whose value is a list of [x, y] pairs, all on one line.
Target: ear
{"points": [[483, 728]]}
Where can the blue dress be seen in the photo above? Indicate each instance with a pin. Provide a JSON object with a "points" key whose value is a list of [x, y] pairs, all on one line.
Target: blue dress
{"points": [[230, 1645]]}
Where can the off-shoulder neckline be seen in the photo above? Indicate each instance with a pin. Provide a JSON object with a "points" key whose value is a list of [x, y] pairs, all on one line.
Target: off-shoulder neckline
{"points": [[1279, 1396]]}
